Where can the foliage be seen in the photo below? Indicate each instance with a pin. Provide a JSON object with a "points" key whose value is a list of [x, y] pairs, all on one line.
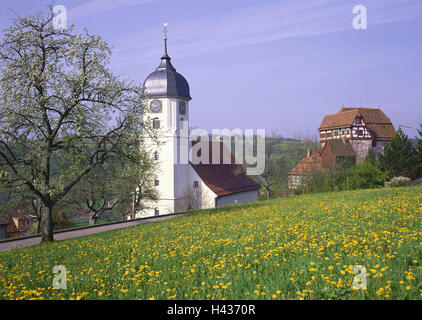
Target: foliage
{"points": [[346, 175], [281, 156], [302, 247], [365, 175], [418, 154], [398, 156], [62, 111], [398, 182], [124, 182]]}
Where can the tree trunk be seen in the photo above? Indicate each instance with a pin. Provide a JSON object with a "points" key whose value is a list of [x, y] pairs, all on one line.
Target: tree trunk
{"points": [[267, 190], [92, 218], [47, 224], [38, 226]]}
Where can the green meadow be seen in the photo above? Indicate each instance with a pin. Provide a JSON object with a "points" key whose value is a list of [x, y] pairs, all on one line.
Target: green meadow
{"points": [[303, 247]]}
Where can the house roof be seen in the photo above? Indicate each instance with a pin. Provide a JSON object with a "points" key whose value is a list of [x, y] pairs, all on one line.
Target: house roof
{"points": [[23, 217], [308, 164], [224, 179], [375, 119], [4, 222], [316, 161], [11, 229], [340, 148]]}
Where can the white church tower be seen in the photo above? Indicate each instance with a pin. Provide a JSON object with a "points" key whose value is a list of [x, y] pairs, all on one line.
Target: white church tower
{"points": [[167, 92]]}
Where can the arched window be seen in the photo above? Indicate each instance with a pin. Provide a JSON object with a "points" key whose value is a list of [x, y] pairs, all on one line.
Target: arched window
{"points": [[182, 107], [157, 182], [181, 123], [156, 123], [156, 211], [156, 156]]}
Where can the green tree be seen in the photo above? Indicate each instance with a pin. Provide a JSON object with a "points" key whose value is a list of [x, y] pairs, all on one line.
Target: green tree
{"points": [[271, 176], [62, 111], [123, 182], [418, 154], [398, 156], [366, 175]]}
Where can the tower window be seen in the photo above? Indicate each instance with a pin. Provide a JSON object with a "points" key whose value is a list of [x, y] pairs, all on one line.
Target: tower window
{"points": [[196, 184], [156, 211], [156, 156], [156, 182], [156, 123], [182, 107]]}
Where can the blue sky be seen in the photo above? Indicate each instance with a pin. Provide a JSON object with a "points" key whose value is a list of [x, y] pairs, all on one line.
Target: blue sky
{"points": [[278, 65]]}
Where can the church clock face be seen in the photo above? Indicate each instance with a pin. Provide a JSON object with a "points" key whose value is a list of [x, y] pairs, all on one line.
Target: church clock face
{"points": [[156, 106], [182, 107]]}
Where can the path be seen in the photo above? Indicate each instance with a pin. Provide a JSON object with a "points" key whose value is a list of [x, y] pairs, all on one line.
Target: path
{"points": [[61, 235]]}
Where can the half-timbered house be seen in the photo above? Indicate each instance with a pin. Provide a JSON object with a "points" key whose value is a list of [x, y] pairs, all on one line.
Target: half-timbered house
{"points": [[364, 128]]}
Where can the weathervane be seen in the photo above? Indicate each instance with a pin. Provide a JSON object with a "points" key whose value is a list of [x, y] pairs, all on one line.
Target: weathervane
{"points": [[165, 24]]}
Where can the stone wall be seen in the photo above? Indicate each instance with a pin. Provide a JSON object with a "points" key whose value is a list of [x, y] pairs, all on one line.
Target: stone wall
{"points": [[361, 148]]}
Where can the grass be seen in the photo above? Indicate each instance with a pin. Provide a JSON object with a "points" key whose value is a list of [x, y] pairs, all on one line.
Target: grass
{"points": [[304, 247], [79, 222]]}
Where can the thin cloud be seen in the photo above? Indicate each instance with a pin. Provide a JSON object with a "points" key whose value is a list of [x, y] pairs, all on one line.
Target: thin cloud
{"points": [[262, 23], [95, 7]]}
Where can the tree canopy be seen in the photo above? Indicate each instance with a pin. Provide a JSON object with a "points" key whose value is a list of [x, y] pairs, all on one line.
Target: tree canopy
{"points": [[398, 155], [63, 113]]}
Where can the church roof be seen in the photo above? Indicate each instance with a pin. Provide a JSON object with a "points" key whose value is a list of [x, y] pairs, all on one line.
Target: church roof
{"points": [[375, 120], [224, 179], [165, 81]]}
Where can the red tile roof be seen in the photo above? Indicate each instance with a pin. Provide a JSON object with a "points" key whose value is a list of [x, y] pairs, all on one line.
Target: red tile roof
{"points": [[224, 179], [340, 148], [376, 121], [318, 160], [308, 164]]}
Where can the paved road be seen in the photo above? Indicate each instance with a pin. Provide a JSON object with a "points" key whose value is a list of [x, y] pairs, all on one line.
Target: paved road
{"points": [[19, 243]]}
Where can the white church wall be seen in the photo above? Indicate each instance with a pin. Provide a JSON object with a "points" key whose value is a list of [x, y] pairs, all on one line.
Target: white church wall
{"points": [[235, 198], [207, 195], [173, 171]]}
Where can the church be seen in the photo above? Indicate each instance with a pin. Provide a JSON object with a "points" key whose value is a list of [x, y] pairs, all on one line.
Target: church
{"points": [[181, 184]]}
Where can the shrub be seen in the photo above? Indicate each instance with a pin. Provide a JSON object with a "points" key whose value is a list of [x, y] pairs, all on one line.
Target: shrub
{"points": [[398, 182], [366, 175]]}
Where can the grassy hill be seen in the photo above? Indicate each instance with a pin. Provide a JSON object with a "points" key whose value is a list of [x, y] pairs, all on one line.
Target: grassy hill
{"points": [[303, 247]]}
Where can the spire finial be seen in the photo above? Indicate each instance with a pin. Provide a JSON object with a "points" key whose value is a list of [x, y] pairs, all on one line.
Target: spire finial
{"points": [[165, 24]]}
